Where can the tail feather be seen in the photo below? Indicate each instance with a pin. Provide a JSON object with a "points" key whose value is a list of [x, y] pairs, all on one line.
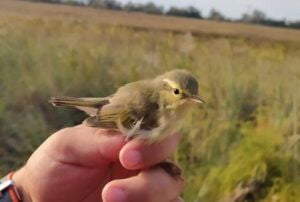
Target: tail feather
{"points": [[74, 102]]}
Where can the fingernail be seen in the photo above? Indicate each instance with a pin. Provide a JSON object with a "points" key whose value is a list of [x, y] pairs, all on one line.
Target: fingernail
{"points": [[117, 194], [133, 158]]}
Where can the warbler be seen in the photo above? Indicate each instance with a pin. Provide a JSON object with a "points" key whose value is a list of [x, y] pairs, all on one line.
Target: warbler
{"points": [[148, 109]]}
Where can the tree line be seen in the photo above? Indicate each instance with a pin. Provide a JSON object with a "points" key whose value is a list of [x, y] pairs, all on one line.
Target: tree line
{"points": [[256, 16]]}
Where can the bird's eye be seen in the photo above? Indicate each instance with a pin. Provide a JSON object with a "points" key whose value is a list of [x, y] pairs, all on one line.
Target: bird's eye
{"points": [[176, 91]]}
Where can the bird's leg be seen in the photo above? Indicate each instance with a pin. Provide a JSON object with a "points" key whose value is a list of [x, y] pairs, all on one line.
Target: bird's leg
{"points": [[172, 169], [134, 130]]}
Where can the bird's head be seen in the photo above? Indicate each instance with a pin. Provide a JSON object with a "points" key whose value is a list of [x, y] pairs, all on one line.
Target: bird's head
{"points": [[178, 87]]}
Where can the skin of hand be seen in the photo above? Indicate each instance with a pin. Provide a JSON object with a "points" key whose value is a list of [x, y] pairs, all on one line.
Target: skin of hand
{"points": [[89, 164]]}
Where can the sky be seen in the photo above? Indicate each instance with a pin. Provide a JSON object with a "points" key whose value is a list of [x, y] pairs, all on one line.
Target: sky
{"points": [[277, 9]]}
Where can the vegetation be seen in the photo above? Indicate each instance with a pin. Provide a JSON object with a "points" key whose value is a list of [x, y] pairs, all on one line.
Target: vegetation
{"points": [[255, 17], [190, 12], [244, 140], [216, 15]]}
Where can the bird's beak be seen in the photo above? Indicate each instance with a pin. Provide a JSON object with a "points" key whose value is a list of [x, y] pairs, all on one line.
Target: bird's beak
{"points": [[196, 99]]}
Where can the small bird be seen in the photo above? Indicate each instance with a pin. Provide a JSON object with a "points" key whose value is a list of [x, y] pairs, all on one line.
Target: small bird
{"points": [[148, 109]]}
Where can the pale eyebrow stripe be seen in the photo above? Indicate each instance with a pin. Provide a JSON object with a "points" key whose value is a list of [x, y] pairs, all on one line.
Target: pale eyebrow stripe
{"points": [[171, 83]]}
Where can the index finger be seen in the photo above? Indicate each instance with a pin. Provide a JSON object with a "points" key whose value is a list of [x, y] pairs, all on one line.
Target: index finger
{"points": [[137, 154]]}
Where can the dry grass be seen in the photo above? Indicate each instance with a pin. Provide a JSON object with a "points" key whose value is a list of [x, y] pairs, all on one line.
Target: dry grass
{"points": [[24, 9], [247, 131]]}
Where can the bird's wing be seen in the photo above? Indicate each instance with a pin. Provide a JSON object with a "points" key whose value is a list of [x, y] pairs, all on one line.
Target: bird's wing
{"points": [[124, 117], [129, 104], [89, 105], [112, 115]]}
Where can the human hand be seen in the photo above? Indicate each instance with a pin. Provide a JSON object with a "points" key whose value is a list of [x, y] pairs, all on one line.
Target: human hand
{"points": [[86, 164]]}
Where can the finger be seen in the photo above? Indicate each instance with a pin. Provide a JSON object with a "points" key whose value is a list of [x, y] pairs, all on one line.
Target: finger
{"points": [[84, 145], [150, 185], [137, 154]]}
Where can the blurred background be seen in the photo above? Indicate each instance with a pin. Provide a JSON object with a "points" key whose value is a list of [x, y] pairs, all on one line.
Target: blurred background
{"points": [[242, 145]]}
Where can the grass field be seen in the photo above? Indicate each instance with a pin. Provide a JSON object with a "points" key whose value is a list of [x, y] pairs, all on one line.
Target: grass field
{"points": [[246, 134]]}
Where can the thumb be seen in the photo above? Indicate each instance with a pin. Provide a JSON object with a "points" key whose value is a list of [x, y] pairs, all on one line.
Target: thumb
{"points": [[85, 146]]}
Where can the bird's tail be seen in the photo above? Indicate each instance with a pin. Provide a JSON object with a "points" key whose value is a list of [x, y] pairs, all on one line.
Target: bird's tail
{"points": [[75, 102]]}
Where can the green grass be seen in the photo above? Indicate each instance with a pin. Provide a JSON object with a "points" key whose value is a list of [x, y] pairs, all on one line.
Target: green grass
{"points": [[243, 133]]}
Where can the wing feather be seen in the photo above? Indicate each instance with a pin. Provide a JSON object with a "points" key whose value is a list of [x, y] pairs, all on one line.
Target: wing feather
{"points": [[110, 116]]}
